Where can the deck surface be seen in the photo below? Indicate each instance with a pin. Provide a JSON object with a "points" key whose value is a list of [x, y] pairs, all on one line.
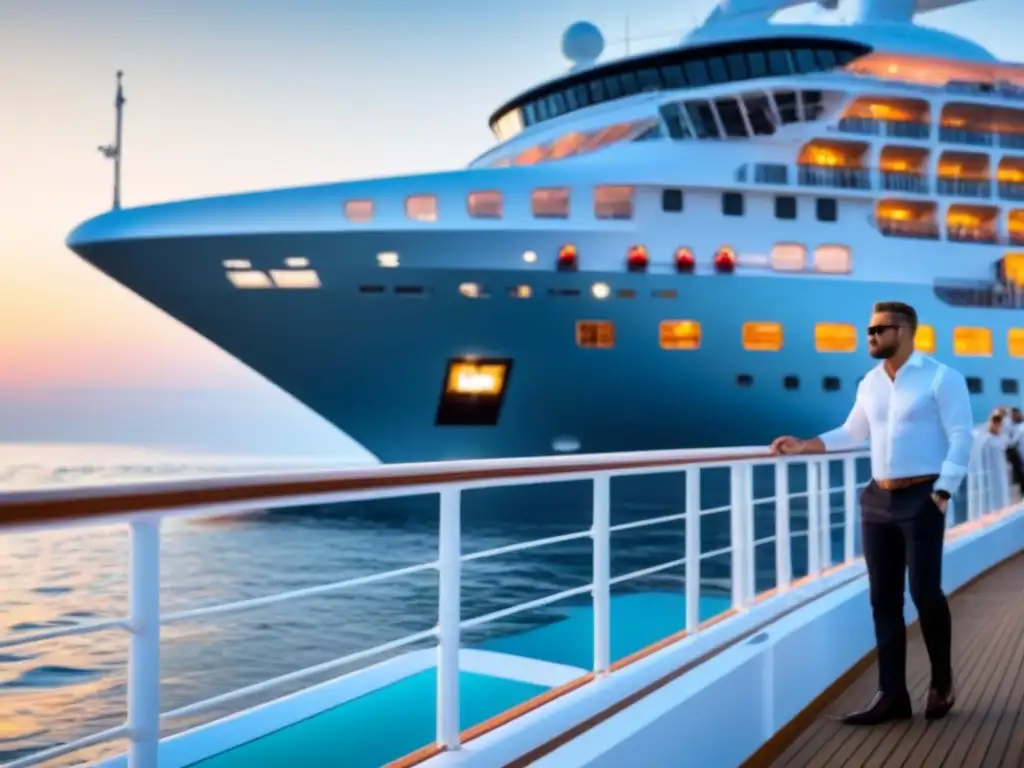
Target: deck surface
{"points": [[985, 728]]}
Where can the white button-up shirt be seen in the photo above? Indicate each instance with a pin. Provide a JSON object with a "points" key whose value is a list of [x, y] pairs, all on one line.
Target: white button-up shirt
{"points": [[919, 423]]}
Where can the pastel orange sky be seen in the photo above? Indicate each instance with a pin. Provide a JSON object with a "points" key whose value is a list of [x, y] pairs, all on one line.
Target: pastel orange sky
{"points": [[249, 94]]}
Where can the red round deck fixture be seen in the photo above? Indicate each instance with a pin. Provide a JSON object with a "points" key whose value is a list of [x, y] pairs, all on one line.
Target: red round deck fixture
{"points": [[684, 260], [725, 260], [567, 258], [637, 259]]}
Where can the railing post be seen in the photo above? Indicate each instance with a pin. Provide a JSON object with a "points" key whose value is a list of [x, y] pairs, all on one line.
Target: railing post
{"points": [[693, 548], [825, 494], [813, 518], [601, 535], [749, 533], [740, 541], [449, 618], [144, 650], [849, 507], [783, 556]]}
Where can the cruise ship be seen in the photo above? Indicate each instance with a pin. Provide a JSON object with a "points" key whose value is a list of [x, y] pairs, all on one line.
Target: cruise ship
{"points": [[672, 249]]}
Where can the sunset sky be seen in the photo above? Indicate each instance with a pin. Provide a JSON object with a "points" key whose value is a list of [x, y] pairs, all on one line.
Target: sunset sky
{"points": [[237, 95]]}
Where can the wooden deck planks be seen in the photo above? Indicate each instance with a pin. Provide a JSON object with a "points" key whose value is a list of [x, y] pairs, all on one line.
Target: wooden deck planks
{"points": [[985, 728]]}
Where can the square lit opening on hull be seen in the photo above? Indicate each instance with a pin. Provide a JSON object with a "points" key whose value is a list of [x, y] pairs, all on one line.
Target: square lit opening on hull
{"points": [[250, 278], [295, 278], [762, 337], [473, 392], [835, 337], [972, 342], [924, 339]]}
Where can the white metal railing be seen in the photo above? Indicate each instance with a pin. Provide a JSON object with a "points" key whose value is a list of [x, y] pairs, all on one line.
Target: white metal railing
{"points": [[144, 505]]}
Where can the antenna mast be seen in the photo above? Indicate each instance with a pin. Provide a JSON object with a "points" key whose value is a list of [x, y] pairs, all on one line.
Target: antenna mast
{"points": [[113, 151]]}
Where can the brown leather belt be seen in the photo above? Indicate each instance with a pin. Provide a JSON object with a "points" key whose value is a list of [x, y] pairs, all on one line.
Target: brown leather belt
{"points": [[899, 483]]}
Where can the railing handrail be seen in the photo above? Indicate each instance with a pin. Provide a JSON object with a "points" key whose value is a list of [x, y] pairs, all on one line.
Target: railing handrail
{"points": [[50, 505]]}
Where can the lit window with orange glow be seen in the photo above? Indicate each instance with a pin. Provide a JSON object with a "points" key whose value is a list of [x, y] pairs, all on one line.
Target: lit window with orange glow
{"points": [[833, 259], [762, 337], [679, 334], [421, 207], [613, 202], [485, 205], [835, 337], [1013, 267], [789, 257], [1015, 342], [924, 339], [550, 202], [359, 211], [972, 342], [479, 379], [595, 334]]}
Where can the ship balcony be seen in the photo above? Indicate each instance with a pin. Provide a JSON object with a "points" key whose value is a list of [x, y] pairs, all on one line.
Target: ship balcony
{"points": [[895, 118], [1015, 227], [964, 174], [907, 218], [827, 163], [904, 169], [982, 126], [771, 173], [972, 224], [1010, 178]]}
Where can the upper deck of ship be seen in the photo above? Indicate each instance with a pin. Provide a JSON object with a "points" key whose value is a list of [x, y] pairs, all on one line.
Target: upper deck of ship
{"points": [[760, 615]]}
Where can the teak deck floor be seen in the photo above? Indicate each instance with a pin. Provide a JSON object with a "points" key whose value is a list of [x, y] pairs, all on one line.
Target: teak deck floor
{"points": [[985, 728]]}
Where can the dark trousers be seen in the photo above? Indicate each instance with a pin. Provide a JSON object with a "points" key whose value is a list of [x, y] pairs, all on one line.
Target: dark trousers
{"points": [[1016, 465], [904, 530]]}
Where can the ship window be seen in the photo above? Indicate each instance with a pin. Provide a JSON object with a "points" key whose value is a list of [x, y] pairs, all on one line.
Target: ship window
{"points": [[1015, 342], [359, 211], [778, 63], [1010, 386], [697, 73], [679, 334], [785, 207], [737, 66], [789, 257], [550, 203], [732, 204], [744, 380], [673, 76], [484, 205], [665, 293], [672, 200], [719, 74], [1013, 263], [924, 339], [828, 209], [974, 385], [595, 334], [831, 384], [421, 207], [295, 278], [834, 259], [972, 342], [791, 382], [805, 61], [626, 293], [613, 202], [249, 279], [520, 292], [762, 337], [758, 64], [827, 58], [835, 337]]}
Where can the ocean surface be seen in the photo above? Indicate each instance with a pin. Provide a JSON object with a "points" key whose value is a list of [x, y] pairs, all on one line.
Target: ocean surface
{"points": [[55, 691]]}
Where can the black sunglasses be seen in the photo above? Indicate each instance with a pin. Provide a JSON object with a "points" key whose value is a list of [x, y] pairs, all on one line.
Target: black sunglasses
{"points": [[878, 330]]}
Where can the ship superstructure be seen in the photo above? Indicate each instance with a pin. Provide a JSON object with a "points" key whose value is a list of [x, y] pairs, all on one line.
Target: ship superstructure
{"points": [[686, 242]]}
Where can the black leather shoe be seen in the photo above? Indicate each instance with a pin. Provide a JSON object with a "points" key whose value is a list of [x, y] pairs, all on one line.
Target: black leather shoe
{"points": [[939, 703], [882, 709]]}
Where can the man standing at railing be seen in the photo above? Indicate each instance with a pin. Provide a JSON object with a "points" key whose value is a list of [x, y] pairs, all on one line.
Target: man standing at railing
{"points": [[1014, 446], [917, 414]]}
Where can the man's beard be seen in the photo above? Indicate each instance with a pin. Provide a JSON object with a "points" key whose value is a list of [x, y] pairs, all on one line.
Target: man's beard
{"points": [[882, 353]]}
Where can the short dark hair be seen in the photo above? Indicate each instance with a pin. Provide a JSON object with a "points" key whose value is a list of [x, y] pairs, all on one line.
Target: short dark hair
{"points": [[899, 308]]}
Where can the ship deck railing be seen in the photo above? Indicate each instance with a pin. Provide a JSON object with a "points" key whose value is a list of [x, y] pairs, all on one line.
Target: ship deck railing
{"points": [[828, 536]]}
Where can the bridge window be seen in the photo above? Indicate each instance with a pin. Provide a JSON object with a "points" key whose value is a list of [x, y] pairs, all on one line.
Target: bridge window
{"points": [[550, 202], [789, 257], [972, 342], [762, 337], [566, 146], [924, 339], [972, 223], [421, 207], [1015, 342], [732, 204], [785, 207], [613, 202], [672, 200], [835, 337], [485, 205], [828, 209], [907, 218], [833, 259], [679, 334], [595, 334], [359, 211]]}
